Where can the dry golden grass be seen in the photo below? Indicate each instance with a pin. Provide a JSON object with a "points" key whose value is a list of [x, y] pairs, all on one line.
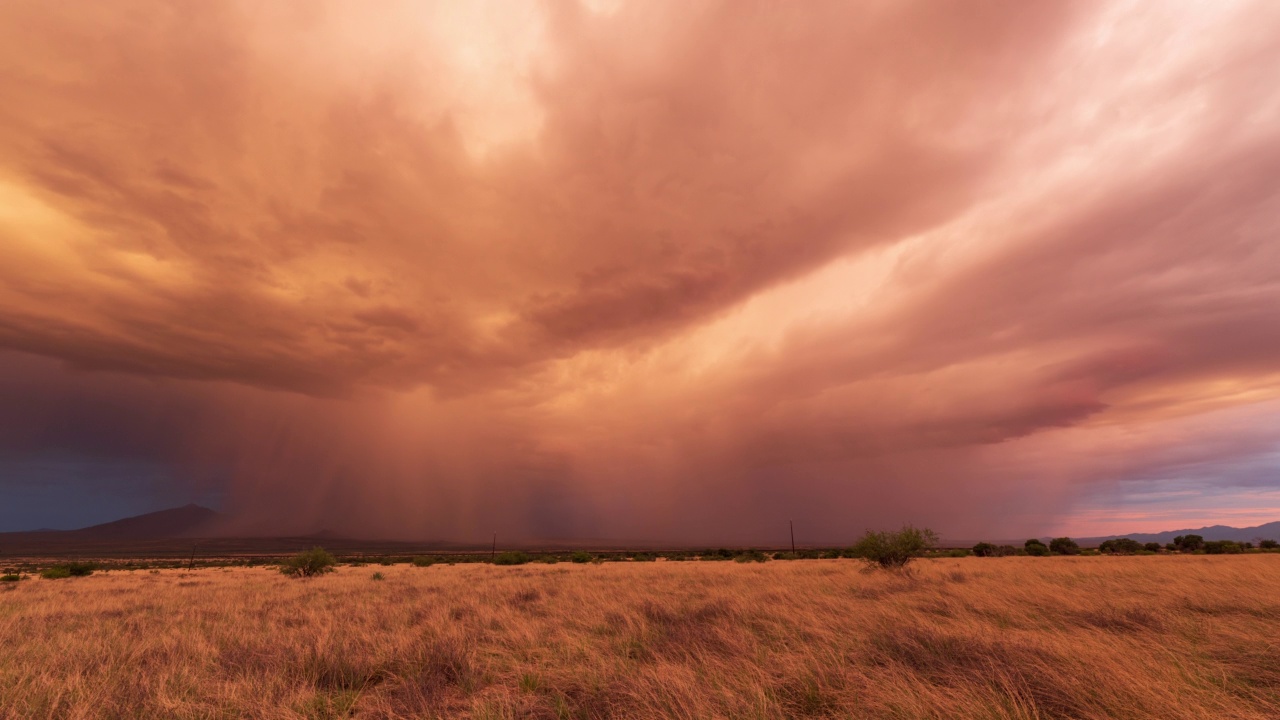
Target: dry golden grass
{"points": [[1149, 637]]}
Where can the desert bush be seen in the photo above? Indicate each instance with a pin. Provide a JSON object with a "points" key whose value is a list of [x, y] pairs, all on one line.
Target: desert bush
{"points": [[958, 552], [424, 561], [66, 570], [1064, 546], [10, 577], [750, 556], [644, 557], [1152, 547], [784, 555], [1222, 547], [548, 559], [1036, 547], [984, 549], [309, 563], [894, 549], [513, 557], [1268, 544], [1120, 546], [581, 556], [1188, 543]]}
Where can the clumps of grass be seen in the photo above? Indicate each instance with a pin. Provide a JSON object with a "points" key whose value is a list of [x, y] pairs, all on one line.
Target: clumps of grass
{"points": [[309, 563], [893, 550], [378, 577], [514, 557], [1120, 619], [66, 570]]}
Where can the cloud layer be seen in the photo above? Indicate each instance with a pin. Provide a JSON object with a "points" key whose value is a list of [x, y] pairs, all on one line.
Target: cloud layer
{"points": [[652, 270]]}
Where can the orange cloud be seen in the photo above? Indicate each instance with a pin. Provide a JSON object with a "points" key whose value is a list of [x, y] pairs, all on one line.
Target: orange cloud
{"points": [[653, 269]]}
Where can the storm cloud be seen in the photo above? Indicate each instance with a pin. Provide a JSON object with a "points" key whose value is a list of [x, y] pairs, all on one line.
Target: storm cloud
{"points": [[664, 271]]}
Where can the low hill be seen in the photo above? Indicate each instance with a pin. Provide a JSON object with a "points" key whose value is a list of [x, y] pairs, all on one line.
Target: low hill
{"points": [[186, 521]]}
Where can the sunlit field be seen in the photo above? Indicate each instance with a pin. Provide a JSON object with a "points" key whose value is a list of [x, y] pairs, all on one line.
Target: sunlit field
{"points": [[1087, 637]]}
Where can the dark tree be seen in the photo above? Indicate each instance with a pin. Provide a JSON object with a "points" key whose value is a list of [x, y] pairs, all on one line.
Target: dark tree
{"points": [[1064, 546], [1036, 547], [1121, 546], [1189, 543]]}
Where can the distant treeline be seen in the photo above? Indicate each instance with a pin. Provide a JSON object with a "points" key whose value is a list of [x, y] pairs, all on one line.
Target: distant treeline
{"points": [[1124, 546], [1033, 547]]}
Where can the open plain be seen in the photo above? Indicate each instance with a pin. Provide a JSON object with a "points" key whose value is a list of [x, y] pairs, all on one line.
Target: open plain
{"points": [[1186, 637]]}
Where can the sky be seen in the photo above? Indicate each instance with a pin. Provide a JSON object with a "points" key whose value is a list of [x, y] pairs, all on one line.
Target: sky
{"points": [[658, 270]]}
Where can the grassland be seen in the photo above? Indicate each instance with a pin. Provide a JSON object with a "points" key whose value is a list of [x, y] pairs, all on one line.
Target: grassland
{"points": [[1191, 637]]}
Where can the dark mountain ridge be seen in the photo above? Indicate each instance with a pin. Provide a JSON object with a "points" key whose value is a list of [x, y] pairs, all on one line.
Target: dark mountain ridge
{"points": [[1268, 531]]}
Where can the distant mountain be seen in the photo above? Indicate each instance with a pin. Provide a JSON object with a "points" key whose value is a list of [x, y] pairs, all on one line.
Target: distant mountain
{"points": [[152, 535], [1270, 531], [186, 521]]}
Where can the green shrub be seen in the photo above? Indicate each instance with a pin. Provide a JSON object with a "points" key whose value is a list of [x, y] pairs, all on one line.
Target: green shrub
{"points": [[513, 557], [1152, 547], [1188, 543], [581, 556], [66, 570], [785, 556], [10, 577], [1121, 546], [309, 563], [958, 552], [378, 576], [548, 559], [984, 549], [750, 556], [644, 557], [892, 550], [1268, 544], [1036, 547], [1064, 546], [424, 561], [1222, 547]]}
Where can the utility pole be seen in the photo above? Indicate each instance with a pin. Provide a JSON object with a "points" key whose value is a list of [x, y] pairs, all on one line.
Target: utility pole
{"points": [[793, 536], [192, 565]]}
